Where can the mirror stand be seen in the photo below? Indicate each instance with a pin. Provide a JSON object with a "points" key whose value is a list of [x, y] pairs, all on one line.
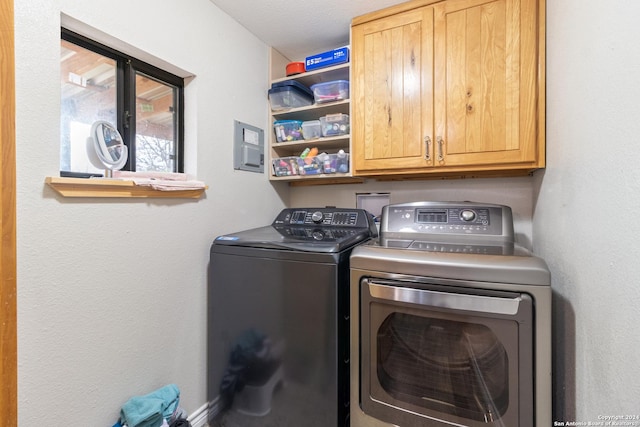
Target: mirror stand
{"points": [[106, 148]]}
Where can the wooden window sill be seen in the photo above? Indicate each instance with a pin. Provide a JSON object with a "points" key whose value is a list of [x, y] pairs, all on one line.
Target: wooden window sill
{"points": [[97, 187]]}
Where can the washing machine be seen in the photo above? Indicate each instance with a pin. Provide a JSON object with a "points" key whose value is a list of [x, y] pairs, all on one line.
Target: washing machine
{"points": [[278, 320], [450, 321]]}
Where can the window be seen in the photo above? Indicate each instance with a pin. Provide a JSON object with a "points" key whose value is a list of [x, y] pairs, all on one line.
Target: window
{"points": [[145, 103]]}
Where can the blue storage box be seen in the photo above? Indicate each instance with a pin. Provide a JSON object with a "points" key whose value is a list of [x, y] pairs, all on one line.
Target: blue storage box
{"points": [[327, 59], [289, 94]]}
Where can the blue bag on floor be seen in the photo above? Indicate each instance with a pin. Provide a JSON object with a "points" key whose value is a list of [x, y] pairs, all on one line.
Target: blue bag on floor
{"points": [[151, 409]]}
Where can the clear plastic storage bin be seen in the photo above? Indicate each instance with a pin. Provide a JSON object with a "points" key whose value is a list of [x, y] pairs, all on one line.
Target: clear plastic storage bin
{"points": [[320, 164], [285, 166], [291, 166], [336, 90], [289, 94], [335, 124], [335, 163], [310, 166], [311, 129], [288, 130]]}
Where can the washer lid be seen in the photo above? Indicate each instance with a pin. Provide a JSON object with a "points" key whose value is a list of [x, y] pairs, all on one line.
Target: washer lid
{"points": [[325, 230], [299, 238]]}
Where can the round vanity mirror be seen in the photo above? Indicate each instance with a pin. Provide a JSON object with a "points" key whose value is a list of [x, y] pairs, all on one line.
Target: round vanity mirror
{"points": [[106, 148]]}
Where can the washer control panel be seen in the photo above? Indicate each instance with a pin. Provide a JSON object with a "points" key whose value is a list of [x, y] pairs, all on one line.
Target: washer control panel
{"points": [[448, 218], [337, 217]]}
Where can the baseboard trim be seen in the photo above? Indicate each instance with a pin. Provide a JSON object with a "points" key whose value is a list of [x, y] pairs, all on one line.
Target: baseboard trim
{"points": [[206, 412], [200, 417]]}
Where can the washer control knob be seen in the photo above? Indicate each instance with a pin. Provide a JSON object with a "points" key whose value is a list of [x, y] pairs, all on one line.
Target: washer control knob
{"points": [[317, 217], [467, 215]]}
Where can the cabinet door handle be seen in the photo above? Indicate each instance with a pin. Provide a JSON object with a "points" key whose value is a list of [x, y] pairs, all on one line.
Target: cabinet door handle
{"points": [[440, 142], [427, 145]]}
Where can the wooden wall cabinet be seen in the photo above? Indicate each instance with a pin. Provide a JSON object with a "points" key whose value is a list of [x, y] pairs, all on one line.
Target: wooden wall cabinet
{"points": [[453, 87]]}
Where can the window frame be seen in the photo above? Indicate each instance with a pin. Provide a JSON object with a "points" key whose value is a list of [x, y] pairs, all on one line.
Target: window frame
{"points": [[127, 67]]}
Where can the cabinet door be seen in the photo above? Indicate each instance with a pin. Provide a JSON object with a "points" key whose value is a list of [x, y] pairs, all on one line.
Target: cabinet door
{"points": [[485, 82], [392, 92]]}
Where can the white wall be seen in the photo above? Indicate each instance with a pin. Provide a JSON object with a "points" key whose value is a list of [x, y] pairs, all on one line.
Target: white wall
{"points": [[112, 293], [585, 216]]}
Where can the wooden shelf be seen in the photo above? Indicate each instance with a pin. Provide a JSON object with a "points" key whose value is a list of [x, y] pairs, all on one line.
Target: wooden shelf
{"points": [[313, 112], [111, 188], [294, 148], [321, 75], [320, 179]]}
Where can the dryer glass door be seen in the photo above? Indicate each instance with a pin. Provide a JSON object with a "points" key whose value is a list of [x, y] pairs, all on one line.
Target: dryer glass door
{"points": [[449, 356]]}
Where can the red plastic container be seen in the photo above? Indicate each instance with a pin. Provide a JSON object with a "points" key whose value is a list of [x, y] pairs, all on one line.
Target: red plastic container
{"points": [[294, 68]]}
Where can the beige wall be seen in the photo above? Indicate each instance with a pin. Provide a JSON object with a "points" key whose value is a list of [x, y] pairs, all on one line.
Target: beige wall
{"points": [[586, 202]]}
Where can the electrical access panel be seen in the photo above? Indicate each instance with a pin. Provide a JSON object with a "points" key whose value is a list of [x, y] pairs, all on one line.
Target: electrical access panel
{"points": [[248, 147]]}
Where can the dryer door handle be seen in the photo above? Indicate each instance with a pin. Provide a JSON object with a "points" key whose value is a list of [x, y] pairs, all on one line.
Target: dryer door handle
{"points": [[448, 300]]}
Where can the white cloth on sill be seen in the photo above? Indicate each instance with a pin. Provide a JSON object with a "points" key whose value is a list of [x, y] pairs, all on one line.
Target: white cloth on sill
{"points": [[165, 176], [163, 181], [166, 185]]}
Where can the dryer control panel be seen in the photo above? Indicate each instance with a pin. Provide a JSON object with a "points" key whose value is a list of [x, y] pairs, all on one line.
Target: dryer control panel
{"points": [[426, 219]]}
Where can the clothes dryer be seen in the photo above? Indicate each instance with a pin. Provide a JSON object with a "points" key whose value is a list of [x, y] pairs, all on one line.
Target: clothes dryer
{"points": [[450, 321]]}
